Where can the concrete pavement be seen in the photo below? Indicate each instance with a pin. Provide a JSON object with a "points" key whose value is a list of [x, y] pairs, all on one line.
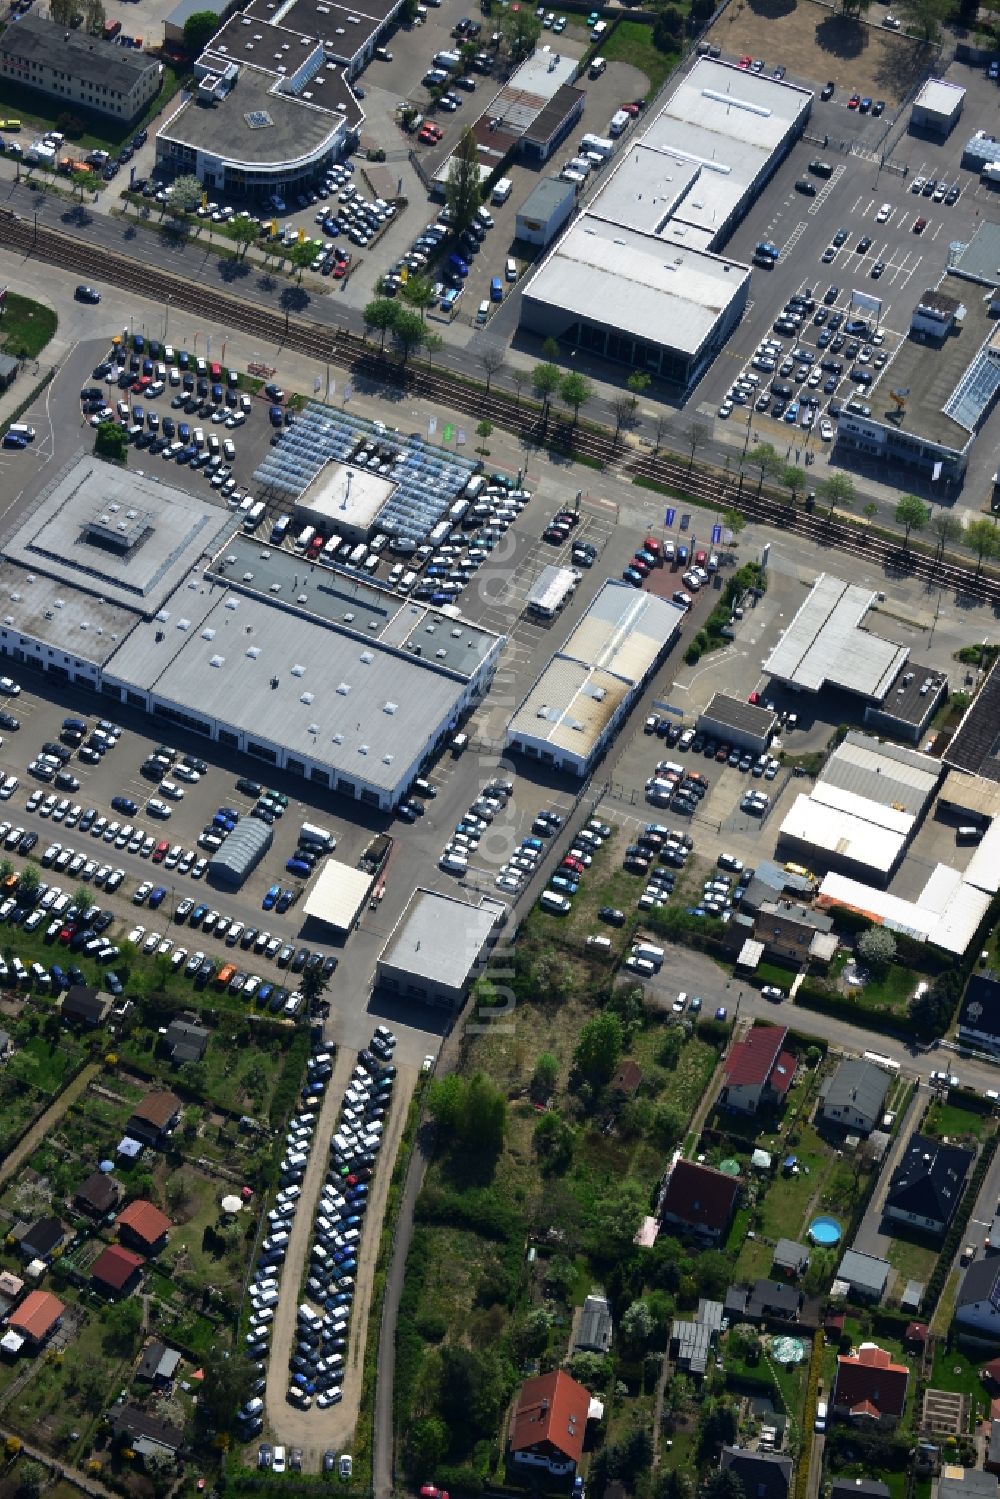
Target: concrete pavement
{"points": [[869, 1238]]}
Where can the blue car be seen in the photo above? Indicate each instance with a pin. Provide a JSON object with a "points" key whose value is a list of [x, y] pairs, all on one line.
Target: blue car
{"points": [[299, 868], [198, 914], [225, 824], [631, 576], [264, 993], [561, 883], [276, 416], [349, 1266], [156, 897], [270, 898], [184, 431], [458, 265], [535, 843], [683, 554], [228, 812], [284, 901], [138, 415]]}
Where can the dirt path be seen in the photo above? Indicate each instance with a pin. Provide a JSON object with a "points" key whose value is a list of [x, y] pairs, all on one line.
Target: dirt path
{"points": [[13, 1163], [316, 1430]]}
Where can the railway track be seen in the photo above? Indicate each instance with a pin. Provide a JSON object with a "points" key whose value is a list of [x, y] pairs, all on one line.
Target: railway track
{"points": [[339, 345]]}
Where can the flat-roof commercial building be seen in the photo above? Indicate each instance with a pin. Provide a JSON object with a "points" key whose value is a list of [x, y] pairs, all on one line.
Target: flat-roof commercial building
{"points": [[338, 896], [826, 644], [937, 107], [637, 279], [975, 744], [297, 664], [947, 913], [437, 947], [577, 703], [75, 68], [739, 723], [544, 211], [935, 394]]}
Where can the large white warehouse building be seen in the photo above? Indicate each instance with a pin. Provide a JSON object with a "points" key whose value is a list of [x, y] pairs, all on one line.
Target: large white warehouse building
{"points": [[638, 277]]}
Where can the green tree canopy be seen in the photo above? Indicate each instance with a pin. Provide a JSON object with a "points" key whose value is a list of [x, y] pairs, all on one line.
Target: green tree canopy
{"points": [[463, 190], [380, 315], [983, 538], [599, 1047], [545, 381], [576, 391], [520, 30], [472, 1110], [199, 30], [836, 491], [186, 192], [912, 514]]}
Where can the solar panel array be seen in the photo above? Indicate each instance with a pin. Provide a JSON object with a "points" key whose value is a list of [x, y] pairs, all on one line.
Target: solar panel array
{"points": [[427, 478], [974, 392]]}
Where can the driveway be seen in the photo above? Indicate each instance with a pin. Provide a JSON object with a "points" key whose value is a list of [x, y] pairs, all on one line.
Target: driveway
{"points": [[870, 1239], [316, 1430]]}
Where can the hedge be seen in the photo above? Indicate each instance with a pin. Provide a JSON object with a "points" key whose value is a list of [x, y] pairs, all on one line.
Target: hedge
{"points": [[809, 1416], [813, 996], [956, 1233]]}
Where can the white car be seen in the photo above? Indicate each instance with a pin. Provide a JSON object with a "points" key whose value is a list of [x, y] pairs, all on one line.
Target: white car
{"points": [[346, 1465], [726, 408], [884, 213], [826, 430], [9, 687]]}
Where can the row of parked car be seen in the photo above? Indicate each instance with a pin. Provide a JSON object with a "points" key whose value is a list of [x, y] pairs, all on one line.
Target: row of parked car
{"points": [[316, 1366], [672, 786], [464, 841], [557, 899]]}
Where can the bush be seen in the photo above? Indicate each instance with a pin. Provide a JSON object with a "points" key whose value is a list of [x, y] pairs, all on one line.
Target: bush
{"points": [[693, 653]]}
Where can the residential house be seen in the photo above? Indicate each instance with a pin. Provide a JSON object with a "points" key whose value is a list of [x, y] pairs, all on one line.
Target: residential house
{"points": [[594, 1332], [927, 1185], [116, 1271], [158, 1365], [863, 1275], [966, 1483], [765, 1301], [859, 1488], [977, 1309], [764, 1475], [549, 1423], [37, 1318], [42, 1239], [758, 1071], [98, 1195], [979, 1016], [154, 1118], [870, 1387], [853, 1099], [185, 1041], [770, 883], [699, 1200], [790, 1257], [143, 1226], [691, 1339], [143, 1433], [85, 1007], [795, 932]]}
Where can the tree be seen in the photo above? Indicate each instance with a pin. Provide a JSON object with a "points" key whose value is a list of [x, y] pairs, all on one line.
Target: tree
{"points": [[463, 190], [698, 435], [947, 528], [576, 391], [83, 899], [62, 11], [6, 870], [734, 521], [764, 457], [724, 1484], [293, 299], [518, 378], [870, 511], [545, 1075], [639, 382], [301, 256], [793, 479], [418, 291], [837, 491], [925, 16], [483, 431], [637, 1328], [94, 16], [380, 315], [122, 1324], [554, 1141], [407, 332], [111, 442], [491, 358], [982, 537], [599, 1047], [31, 1479], [81, 181], [30, 878], [623, 411], [433, 344], [428, 1443], [669, 1124], [668, 29], [241, 229], [545, 381], [876, 949], [187, 192], [913, 515], [313, 984], [614, 1218], [225, 1388], [519, 30], [199, 30]]}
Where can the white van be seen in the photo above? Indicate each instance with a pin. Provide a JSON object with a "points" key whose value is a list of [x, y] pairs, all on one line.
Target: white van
{"points": [[358, 554], [567, 175], [406, 582], [649, 952], [550, 901], [475, 486], [639, 965], [580, 164], [255, 516], [619, 122], [821, 1410], [597, 145], [502, 190], [21, 429]]}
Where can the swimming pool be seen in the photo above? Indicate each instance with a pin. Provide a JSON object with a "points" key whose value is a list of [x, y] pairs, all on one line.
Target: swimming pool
{"points": [[825, 1231]]}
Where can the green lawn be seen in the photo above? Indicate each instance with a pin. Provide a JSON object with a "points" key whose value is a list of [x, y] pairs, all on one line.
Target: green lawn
{"points": [[913, 1258], [26, 326], [892, 992], [632, 42], [953, 1371], [44, 1064], [952, 1119]]}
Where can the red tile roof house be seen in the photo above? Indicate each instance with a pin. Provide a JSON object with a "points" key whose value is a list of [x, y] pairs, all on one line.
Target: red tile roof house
{"points": [[758, 1071], [115, 1272], [700, 1200], [870, 1387], [37, 1317], [143, 1226], [549, 1423]]}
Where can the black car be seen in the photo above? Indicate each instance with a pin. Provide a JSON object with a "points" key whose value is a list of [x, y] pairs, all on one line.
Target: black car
{"points": [[249, 787], [125, 804], [27, 843], [87, 294], [826, 92], [9, 722], [612, 915]]}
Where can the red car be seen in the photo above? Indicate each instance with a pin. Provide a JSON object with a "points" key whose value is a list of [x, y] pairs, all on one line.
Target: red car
{"points": [[854, 101], [160, 851], [629, 109], [754, 697], [640, 566], [919, 225], [745, 61], [700, 558], [570, 863], [316, 545], [651, 545], [340, 270]]}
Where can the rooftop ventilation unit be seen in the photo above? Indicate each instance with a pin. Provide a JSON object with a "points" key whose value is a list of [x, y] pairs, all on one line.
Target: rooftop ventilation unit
{"points": [[253, 652], [217, 661]]}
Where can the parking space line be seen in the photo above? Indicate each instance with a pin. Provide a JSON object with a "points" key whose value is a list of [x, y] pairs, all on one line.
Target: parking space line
{"points": [[794, 237]]}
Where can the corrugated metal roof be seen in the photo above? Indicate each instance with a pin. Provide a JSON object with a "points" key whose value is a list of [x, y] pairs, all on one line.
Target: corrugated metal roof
{"points": [[338, 895], [837, 832], [952, 928], [865, 770], [242, 851], [983, 869], [874, 812], [957, 924], [940, 888], [971, 793], [825, 644]]}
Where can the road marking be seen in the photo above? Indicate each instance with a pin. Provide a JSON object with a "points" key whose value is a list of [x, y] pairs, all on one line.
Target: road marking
{"points": [[794, 237], [825, 191]]}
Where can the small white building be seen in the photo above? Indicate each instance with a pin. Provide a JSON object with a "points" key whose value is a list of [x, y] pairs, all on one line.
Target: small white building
{"points": [[937, 107]]}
